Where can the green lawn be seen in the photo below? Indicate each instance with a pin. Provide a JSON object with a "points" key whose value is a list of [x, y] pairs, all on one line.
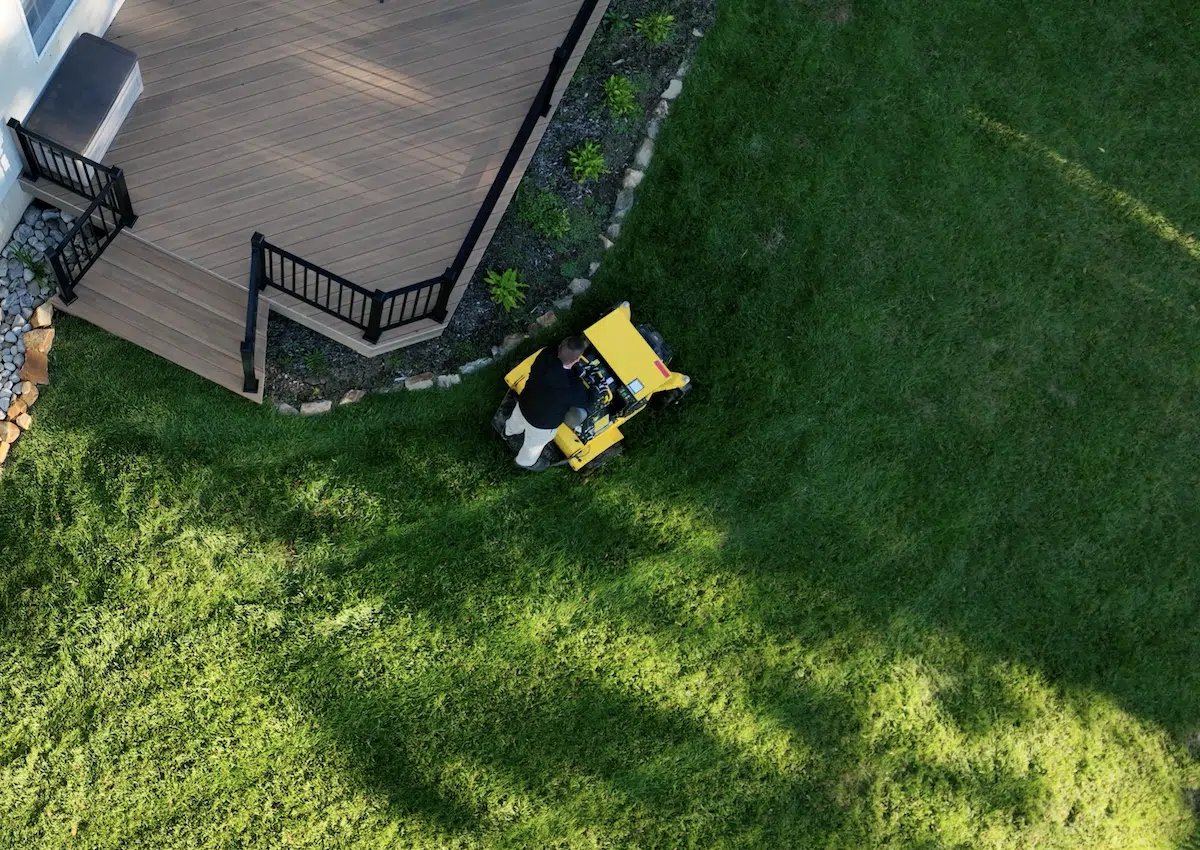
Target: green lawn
{"points": [[915, 567]]}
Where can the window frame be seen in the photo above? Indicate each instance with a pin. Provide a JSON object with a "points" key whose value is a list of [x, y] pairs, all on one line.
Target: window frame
{"points": [[41, 51]]}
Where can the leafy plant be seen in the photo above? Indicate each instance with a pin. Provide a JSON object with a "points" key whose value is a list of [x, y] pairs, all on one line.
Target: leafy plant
{"points": [[507, 288], [620, 96], [587, 162], [22, 255], [544, 212], [656, 27], [618, 22]]}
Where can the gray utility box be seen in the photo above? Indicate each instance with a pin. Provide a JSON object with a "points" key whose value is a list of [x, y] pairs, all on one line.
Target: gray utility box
{"points": [[86, 99]]}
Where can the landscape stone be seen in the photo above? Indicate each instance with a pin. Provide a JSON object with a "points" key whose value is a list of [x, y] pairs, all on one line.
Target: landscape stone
{"points": [[9, 431], [39, 340], [475, 365], [28, 391], [579, 285], [419, 381], [36, 368], [605, 242], [653, 127], [4, 452], [312, 408], [593, 268], [645, 154], [16, 408], [353, 396], [673, 89], [23, 421], [662, 109], [512, 341], [564, 303], [546, 319], [286, 409], [698, 33], [447, 381], [42, 316], [633, 178], [614, 230]]}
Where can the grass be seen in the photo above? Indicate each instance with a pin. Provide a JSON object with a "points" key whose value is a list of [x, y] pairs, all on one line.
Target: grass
{"points": [[914, 567]]}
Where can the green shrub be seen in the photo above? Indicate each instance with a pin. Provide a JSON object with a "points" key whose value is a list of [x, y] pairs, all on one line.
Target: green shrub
{"points": [[507, 288], [620, 96], [617, 22], [587, 162], [544, 212], [655, 27]]}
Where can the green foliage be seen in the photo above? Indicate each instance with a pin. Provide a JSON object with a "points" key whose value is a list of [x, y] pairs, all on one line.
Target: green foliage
{"points": [[545, 212], [23, 256], [620, 96], [914, 566], [316, 362], [506, 288], [656, 27], [587, 162], [618, 21]]}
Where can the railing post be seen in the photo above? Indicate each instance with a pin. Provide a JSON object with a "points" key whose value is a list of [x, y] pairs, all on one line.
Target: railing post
{"points": [[121, 192], [258, 261], [375, 320], [249, 379], [66, 289], [32, 172], [441, 308]]}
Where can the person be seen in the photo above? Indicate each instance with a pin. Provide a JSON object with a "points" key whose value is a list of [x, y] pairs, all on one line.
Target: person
{"points": [[550, 392]]}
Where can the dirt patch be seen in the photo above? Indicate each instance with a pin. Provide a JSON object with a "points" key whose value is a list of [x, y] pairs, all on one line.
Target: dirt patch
{"points": [[303, 365]]}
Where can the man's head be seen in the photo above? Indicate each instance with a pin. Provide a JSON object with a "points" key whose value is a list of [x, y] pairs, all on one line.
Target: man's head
{"points": [[571, 349]]}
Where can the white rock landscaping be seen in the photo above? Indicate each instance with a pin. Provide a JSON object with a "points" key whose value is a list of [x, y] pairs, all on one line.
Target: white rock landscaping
{"points": [[26, 318]]}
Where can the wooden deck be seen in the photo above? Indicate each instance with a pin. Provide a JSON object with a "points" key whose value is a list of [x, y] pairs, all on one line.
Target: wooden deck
{"points": [[362, 135]]}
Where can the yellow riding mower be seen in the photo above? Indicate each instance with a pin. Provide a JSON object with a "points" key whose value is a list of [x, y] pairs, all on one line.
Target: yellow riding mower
{"points": [[625, 370]]}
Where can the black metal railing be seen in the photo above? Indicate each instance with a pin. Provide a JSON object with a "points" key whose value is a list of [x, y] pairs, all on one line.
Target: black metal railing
{"points": [[85, 240], [46, 158], [257, 282], [377, 311]]}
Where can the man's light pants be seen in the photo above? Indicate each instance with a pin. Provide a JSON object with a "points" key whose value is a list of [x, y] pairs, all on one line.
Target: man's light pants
{"points": [[535, 438]]}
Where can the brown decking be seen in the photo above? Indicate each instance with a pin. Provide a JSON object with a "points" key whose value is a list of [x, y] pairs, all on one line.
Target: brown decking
{"points": [[361, 135]]}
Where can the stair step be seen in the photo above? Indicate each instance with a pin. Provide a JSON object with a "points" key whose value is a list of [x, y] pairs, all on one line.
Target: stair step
{"points": [[207, 291], [178, 348]]}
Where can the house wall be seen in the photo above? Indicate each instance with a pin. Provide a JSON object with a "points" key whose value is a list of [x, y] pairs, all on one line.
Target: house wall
{"points": [[22, 77]]}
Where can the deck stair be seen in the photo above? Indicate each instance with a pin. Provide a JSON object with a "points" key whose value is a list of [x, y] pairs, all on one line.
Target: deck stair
{"points": [[168, 306]]}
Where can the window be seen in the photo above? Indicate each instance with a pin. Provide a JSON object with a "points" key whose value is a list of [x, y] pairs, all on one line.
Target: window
{"points": [[44, 17]]}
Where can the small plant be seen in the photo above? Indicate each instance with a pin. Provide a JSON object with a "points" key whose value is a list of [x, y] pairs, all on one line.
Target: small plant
{"points": [[507, 288], [620, 96], [618, 22], [545, 213], [22, 255], [587, 162], [316, 362], [656, 27]]}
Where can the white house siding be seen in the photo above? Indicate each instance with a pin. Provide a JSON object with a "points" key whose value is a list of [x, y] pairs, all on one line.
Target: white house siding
{"points": [[23, 74]]}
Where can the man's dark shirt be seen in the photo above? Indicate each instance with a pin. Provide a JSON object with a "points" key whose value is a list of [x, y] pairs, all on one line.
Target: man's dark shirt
{"points": [[550, 391]]}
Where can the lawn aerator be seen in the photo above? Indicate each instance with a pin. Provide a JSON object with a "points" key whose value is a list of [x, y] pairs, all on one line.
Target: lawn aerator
{"points": [[625, 370]]}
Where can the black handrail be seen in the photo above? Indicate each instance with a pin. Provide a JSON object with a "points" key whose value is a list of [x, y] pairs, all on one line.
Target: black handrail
{"points": [[539, 109], [73, 171], [86, 239]]}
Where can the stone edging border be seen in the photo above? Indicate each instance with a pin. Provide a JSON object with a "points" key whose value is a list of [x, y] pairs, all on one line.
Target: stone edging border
{"points": [[624, 203], [26, 321]]}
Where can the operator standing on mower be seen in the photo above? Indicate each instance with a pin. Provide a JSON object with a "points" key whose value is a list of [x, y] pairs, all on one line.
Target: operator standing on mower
{"points": [[551, 391]]}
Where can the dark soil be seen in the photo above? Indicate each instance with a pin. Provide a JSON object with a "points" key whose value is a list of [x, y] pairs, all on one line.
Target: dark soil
{"points": [[303, 365]]}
